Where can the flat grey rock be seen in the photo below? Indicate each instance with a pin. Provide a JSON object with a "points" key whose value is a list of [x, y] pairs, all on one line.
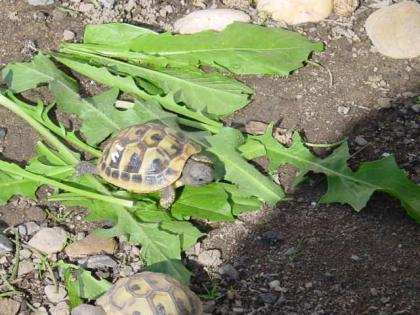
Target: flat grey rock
{"points": [[49, 240], [6, 246], [98, 262]]}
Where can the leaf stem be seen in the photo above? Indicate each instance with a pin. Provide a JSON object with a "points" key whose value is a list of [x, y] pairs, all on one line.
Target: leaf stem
{"points": [[167, 101], [69, 137], [16, 170], [197, 124], [66, 153]]}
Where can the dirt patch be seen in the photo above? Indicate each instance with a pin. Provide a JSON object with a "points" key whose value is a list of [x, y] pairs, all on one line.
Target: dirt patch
{"points": [[327, 259]]}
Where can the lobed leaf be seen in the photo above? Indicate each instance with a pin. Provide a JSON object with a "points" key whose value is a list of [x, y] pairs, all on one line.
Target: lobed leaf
{"points": [[207, 202], [344, 185], [23, 76], [238, 171], [128, 84]]}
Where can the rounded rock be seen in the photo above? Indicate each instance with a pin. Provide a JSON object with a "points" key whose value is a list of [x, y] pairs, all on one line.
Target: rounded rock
{"points": [[296, 11], [395, 30], [68, 35], [211, 19]]}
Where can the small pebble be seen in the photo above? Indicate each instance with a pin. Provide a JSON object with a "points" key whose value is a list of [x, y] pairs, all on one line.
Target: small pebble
{"points": [[87, 309], [416, 108], [344, 110], [373, 292], [3, 133], [53, 295], [68, 35], [98, 262], [6, 246], [355, 257], [25, 254], [274, 284], [359, 140], [49, 240], [229, 271], [25, 267]]}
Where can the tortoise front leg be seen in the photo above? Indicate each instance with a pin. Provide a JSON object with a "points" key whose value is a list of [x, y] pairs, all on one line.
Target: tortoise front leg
{"points": [[167, 196]]}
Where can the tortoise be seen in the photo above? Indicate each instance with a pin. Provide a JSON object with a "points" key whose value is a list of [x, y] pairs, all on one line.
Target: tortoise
{"points": [[150, 293], [150, 157]]}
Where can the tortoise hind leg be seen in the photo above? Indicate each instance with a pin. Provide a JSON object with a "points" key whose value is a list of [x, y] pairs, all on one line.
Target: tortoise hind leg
{"points": [[167, 196]]}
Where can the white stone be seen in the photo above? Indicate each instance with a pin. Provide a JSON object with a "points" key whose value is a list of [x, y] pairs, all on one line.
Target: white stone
{"points": [[211, 19], [68, 35], [395, 30], [296, 11], [53, 295], [49, 240]]}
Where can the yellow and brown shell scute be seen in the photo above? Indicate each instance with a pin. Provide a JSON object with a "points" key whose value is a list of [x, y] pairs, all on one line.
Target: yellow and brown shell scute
{"points": [[145, 158], [150, 293]]}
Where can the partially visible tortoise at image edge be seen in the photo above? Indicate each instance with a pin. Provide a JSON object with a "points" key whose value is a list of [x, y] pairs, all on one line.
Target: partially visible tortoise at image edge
{"points": [[150, 157], [150, 293]]}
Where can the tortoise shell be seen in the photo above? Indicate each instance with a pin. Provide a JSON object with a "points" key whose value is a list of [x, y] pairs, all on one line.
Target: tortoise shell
{"points": [[150, 293], [145, 158]]}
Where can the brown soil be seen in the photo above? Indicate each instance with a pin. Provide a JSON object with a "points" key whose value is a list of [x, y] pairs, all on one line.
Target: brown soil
{"points": [[328, 259]]}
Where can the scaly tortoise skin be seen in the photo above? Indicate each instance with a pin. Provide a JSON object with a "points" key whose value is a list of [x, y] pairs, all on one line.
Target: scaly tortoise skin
{"points": [[150, 293]]}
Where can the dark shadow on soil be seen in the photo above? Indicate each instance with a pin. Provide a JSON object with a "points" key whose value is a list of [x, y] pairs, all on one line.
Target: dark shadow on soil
{"points": [[328, 258]]}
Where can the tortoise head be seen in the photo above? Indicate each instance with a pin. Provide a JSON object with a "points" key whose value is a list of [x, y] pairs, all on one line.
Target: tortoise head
{"points": [[197, 171]]}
